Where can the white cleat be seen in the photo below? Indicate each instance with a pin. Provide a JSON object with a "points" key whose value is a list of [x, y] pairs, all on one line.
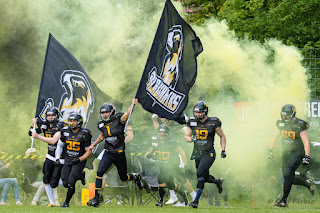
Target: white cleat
{"points": [[172, 200], [179, 204]]}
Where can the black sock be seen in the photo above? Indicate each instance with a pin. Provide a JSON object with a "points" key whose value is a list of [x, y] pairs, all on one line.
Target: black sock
{"points": [[71, 191], [161, 192]]}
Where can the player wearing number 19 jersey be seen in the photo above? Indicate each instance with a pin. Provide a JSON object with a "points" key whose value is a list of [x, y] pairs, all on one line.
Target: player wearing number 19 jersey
{"points": [[201, 131], [296, 149]]}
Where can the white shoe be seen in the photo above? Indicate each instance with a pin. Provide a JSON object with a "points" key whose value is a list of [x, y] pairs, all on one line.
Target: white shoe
{"points": [[172, 200], [179, 204], [120, 202], [34, 203], [3, 203], [56, 202], [19, 203]]}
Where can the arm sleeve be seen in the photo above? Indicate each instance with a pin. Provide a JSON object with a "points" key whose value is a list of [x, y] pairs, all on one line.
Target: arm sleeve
{"points": [[59, 149]]}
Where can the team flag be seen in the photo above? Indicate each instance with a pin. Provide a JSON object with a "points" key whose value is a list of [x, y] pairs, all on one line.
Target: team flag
{"points": [[171, 67], [66, 85]]}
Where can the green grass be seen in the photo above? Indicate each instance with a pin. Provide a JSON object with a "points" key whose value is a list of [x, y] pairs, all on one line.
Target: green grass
{"points": [[242, 207]]}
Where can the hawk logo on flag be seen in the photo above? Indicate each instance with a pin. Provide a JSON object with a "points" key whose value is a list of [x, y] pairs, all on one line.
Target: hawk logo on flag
{"points": [[78, 96], [161, 88]]}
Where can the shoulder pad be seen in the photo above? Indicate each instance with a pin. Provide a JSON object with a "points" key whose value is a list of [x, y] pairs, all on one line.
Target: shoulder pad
{"points": [[65, 127], [101, 124], [119, 114], [43, 126], [280, 123]]}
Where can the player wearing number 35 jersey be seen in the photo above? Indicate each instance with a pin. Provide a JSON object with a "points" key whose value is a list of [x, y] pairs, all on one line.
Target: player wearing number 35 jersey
{"points": [[201, 131], [296, 149]]}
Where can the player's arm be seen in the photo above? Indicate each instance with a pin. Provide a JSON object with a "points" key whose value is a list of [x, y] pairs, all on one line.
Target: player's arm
{"points": [[183, 155], [222, 136], [124, 117], [98, 140], [274, 139], [129, 134], [149, 152], [86, 155], [155, 121], [305, 141], [188, 135], [33, 127], [48, 140]]}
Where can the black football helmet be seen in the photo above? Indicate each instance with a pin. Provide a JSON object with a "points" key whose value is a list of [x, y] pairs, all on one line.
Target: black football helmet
{"points": [[163, 128], [107, 107], [288, 110], [75, 116], [200, 106], [52, 111]]}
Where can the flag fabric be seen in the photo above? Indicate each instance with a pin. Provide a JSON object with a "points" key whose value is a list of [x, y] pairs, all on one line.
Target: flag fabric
{"points": [[171, 67], [66, 85]]}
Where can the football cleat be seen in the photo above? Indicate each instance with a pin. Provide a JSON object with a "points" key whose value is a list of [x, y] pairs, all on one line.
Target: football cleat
{"points": [[172, 200], [281, 203], [93, 202], [138, 181], [159, 203], [194, 204], [219, 185], [51, 205], [83, 178], [65, 205], [180, 204]]}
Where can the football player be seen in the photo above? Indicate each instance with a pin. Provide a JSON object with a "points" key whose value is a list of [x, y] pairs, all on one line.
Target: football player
{"points": [[177, 131], [165, 151], [78, 140], [112, 131], [201, 130], [51, 171], [296, 149]]}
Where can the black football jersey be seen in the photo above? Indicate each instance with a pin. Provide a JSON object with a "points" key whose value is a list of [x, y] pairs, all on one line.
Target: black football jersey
{"points": [[44, 127], [204, 132], [290, 134], [75, 143], [113, 132], [164, 150]]}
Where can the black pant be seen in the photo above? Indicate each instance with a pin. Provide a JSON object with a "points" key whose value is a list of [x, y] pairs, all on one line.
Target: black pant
{"points": [[71, 173], [51, 173], [203, 163], [118, 159]]}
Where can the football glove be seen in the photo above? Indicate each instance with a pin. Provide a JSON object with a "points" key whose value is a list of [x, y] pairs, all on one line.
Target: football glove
{"points": [[306, 160], [270, 154], [57, 162], [75, 161], [154, 117], [193, 138], [223, 154]]}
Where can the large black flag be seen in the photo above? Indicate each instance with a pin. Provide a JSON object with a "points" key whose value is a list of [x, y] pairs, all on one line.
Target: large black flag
{"points": [[171, 68], [66, 85]]}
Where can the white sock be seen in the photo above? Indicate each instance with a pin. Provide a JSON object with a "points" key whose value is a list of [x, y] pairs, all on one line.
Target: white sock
{"points": [[55, 193], [50, 194], [172, 194], [60, 182], [193, 195]]}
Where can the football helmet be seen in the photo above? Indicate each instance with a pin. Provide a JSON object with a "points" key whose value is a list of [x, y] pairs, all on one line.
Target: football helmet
{"points": [[200, 106], [107, 107], [288, 112], [52, 111], [163, 130], [77, 117]]}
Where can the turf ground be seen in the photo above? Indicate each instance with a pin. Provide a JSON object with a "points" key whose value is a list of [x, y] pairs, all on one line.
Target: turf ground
{"points": [[242, 207]]}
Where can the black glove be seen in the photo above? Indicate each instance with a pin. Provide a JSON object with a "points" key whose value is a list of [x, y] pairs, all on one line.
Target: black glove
{"points": [[270, 154], [75, 161], [193, 138], [57, 162], [306, 160], [223, 154]]}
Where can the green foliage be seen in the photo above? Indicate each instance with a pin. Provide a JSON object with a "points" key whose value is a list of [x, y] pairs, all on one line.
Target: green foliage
{"points": [[291, 21]]}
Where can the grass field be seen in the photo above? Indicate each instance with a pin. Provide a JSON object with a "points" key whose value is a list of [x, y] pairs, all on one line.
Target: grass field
{"points": [[242, 207]]}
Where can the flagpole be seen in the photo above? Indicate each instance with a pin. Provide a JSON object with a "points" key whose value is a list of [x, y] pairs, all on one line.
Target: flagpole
{"points": [[125, 127]]}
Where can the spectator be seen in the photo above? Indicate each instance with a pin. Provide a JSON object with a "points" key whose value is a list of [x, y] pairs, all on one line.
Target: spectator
{"points": [[6, 183]]}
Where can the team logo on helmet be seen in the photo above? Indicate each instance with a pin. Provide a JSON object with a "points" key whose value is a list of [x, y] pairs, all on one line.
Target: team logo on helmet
{"points": [[77, 98], [161, 87]]}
